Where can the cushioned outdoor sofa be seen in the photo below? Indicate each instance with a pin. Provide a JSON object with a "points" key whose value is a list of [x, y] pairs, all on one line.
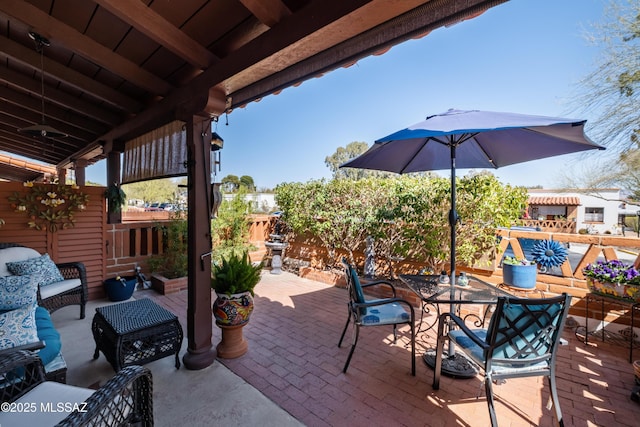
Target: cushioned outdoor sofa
{"points": [[31, 286], [60, 285]]}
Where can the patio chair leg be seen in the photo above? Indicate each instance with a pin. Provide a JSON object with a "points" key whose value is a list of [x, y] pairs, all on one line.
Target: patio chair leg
{"points": [[353, 347], [554, 398], [395, 334], [489, 391], [413, 349], [344, 331]]}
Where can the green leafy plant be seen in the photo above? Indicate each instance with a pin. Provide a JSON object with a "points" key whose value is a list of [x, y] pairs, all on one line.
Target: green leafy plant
{"points": [[230, 229], [406, 215], [509, 260], [173, 261], [116, 197], [235, 274]]}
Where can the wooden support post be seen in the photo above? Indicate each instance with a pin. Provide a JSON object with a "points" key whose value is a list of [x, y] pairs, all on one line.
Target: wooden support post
{"points": [[200, 352], [80, 166], [113, 177]]}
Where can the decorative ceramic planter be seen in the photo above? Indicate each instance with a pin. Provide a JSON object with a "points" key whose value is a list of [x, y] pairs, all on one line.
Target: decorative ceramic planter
{"points": [[120, 290], [617, 290], [520, 276], [232, 313], [232, 310]]}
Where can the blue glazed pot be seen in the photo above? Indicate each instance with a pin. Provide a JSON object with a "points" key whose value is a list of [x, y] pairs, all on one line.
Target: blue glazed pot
{"points": [[119, 291], [520, 276]]}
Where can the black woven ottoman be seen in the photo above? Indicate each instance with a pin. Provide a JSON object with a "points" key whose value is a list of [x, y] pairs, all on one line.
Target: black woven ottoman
{"points": [[135, 333]]}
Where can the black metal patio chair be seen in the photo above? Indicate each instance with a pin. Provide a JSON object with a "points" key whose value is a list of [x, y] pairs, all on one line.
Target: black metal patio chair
{"points": [[521, 341], [376, 312]]}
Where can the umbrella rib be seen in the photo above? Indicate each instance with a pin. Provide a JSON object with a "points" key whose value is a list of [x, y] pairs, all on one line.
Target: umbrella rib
{"points": [[402, 171], [486, 155]]}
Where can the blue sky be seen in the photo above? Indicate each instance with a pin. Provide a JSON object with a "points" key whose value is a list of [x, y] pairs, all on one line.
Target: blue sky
{"points": [[524, 56]]}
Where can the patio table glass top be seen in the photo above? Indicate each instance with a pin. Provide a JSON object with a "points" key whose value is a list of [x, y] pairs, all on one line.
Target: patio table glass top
{"points": [[430, 290]]}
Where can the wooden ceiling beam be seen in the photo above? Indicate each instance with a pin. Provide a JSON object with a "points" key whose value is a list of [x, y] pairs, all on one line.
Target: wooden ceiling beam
{"points": [[59, 97], [18, 102], [78, 43], [269, 12], [16, 52], [145, 20], [20, 118], [28, 145], [310, 19]]}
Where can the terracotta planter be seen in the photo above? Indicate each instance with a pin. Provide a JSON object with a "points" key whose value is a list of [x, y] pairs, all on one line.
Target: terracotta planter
{"points": [[233, 343], [617, 290], [165, 286]]}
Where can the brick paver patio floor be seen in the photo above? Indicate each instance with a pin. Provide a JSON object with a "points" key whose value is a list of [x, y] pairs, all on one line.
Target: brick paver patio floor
{"points": [[294, 360]]}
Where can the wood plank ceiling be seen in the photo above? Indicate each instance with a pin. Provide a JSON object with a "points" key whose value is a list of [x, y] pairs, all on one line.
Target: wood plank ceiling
{"points": [[116, 69]]}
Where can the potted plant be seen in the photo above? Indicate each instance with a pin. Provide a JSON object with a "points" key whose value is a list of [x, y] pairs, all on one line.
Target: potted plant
{"points": [[519, 273], [613, 278], [233, 280], [170, 267], [116, 197], [120, 288]]}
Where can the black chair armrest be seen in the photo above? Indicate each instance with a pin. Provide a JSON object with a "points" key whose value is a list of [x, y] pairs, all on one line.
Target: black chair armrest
{"points": [[20, 371], [463, 327], [73, 270], [380, 282], [126, 399], [31, 346]]}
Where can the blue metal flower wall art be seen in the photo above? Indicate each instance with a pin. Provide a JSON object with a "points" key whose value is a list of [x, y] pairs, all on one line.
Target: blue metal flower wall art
{"points": [[549, 253]]}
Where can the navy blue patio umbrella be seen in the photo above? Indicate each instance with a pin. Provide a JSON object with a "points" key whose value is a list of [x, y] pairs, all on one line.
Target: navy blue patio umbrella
{"points": [[472, 139]]}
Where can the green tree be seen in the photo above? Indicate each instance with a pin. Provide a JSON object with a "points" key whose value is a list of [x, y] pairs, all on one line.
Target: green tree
{"points": [[157, 190], [344, 154], [247, 182], [230, 183], [612, 90]]}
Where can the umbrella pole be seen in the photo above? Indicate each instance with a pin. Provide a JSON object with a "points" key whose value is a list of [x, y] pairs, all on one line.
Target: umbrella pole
{"points": [[453, 219]]}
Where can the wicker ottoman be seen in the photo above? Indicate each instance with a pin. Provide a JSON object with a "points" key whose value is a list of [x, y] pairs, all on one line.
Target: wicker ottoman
{"points": [[135, 333]]}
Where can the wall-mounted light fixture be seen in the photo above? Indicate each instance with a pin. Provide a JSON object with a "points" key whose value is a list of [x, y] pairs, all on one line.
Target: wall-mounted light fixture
{"points": [[41, 129], [216, 141], [216, 145]]}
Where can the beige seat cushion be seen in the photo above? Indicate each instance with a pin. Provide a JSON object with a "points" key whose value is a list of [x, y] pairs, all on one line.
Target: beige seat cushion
{"points": [[46, 405], [58, 287]]}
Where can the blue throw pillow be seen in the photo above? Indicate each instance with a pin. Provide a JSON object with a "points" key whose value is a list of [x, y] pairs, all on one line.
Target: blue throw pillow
{"points": [[43, 265], [18, 291], [48, 334], [18, 327]]}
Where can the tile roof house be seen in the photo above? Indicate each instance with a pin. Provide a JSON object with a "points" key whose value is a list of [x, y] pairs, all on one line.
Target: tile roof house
{"points": [[597, 211]]}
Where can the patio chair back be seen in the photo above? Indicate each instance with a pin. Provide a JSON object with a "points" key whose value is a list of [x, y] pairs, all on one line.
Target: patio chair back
{"points": [[521, 341], [375, 312]]}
